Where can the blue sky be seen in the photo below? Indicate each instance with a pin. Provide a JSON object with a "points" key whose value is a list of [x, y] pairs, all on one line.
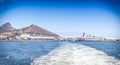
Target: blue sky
{"points": [[95, 17]]}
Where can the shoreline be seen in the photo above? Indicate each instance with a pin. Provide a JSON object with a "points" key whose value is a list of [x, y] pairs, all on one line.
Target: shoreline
{"points": [[28, 41], [50, 41]]}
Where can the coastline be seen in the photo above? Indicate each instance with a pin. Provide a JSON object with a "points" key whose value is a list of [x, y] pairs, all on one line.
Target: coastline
{"points": [[51, 41], [28, 41]]}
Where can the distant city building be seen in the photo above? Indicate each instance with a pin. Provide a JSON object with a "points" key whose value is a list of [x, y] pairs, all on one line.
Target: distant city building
{"points": [[24, 36], [5, 35], [83, 34]]}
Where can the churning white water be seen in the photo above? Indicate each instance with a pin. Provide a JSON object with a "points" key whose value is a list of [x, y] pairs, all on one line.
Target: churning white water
{"points": [[75, 54]]}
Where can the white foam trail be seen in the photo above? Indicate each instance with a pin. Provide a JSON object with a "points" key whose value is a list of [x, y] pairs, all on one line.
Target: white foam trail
{"points": [[75, 54]]}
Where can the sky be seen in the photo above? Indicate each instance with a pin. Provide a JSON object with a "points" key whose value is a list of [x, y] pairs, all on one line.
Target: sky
{"points": [[64, 17]]}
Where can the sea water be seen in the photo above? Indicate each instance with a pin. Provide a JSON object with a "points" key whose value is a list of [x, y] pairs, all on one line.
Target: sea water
{"points": [[59, 53]]}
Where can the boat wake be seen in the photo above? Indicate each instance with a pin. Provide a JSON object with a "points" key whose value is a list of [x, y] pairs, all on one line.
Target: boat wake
{"points": [[75, 54]]}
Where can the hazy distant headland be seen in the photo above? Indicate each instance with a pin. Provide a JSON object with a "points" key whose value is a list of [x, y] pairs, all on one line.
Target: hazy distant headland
{"points": [[36, 33]]}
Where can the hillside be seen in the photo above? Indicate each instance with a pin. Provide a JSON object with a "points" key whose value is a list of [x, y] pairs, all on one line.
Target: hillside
{"points": [[7, 27], [32, 30]]}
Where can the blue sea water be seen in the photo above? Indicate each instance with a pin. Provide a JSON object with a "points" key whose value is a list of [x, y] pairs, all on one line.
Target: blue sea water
{"points": [[59, 53]]}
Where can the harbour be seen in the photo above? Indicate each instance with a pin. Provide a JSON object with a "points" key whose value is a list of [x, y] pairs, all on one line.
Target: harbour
{"points": [[59, 32]]}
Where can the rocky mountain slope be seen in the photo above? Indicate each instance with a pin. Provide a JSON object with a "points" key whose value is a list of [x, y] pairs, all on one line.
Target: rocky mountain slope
{"points": [[32, 29], [7, 27]]}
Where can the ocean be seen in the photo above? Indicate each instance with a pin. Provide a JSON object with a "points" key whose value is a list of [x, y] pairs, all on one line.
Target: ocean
{"points": [[59, 53]]}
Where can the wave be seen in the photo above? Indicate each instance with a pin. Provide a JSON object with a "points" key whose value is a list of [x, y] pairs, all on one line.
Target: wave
{"points": [[75, 54]]}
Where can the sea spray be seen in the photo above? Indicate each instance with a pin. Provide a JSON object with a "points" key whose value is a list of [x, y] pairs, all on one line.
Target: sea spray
{"points": [[75, 54]]}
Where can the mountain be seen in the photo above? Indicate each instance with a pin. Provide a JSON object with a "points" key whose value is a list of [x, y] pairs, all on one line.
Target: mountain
{"points": [[34, 29], [7, 27]]}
